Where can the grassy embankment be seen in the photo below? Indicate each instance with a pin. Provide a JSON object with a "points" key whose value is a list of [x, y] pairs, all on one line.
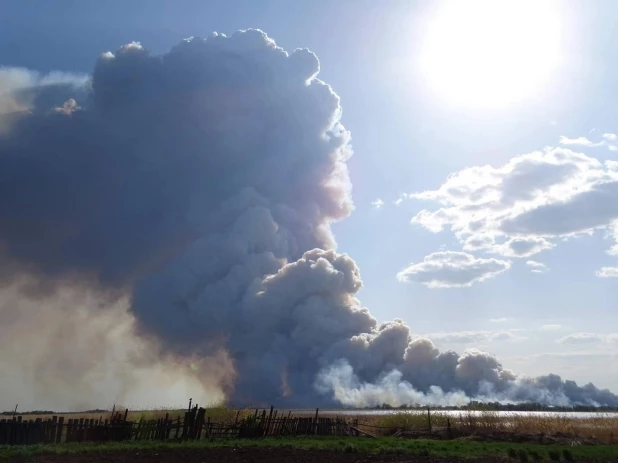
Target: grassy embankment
{"points": [[383, 445]]}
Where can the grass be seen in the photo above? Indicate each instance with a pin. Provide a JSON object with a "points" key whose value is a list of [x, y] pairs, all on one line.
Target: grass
{"points": [[384, 445], [217, 413], [600, 427]]}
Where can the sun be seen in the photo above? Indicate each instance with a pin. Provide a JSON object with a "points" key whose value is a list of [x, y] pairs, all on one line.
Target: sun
{"points": [[491, 53]]}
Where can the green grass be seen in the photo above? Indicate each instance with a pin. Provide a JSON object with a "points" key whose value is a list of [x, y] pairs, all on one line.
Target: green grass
{"points": [[453, 448]]}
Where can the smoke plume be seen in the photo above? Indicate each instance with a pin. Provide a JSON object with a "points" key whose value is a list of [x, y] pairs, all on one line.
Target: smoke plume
{"points": [[176, 209]]}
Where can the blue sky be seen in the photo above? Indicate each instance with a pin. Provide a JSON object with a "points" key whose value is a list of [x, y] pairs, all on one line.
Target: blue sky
{"points": [[408, 139]]}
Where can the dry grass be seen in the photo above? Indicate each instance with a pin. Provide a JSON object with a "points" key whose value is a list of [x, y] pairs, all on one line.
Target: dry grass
{"points": [[217, 413], [602, 427]]}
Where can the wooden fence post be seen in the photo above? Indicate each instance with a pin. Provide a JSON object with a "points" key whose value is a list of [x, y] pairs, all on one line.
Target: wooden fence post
{"points": [[60, 428], [315, 421], [270, 416]]}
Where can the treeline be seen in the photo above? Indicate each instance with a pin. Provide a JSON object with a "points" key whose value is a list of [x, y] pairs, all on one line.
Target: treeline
{"points": [[50, 412], [499, 407]]}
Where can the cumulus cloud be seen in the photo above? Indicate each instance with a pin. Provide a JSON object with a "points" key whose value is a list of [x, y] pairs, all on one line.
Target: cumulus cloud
{"points": [[526, 205], [537, 267], [378, 203], [192, 195], [450, 269], [23, 90], [608, 272]]}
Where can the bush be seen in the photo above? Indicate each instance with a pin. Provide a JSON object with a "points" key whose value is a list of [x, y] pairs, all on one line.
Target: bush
{"points": [[536, 456], [568, 456], [523, 456], [554, 455], [350, 448], [511, 453]]}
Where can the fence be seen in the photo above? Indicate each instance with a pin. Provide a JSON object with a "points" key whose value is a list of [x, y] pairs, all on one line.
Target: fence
{"points": [[194, 425]]}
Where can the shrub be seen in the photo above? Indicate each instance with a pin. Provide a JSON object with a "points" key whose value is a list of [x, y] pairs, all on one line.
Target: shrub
{"points": [[568, 456], [523, 456], [554, 455], [535, 455]]}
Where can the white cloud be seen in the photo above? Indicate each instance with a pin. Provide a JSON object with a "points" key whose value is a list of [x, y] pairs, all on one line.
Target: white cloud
{"points": [[550, 327], [537, 267], [526, 205], [399, 200], [449, 269], [522, 247], [500, 320], [378, 203], [608, 139], [581, 141], [588, 338], [608, 272], [475, 337]]}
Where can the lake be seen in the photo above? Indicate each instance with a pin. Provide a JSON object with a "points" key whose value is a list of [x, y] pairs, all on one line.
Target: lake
{"points": [[455, 413]]}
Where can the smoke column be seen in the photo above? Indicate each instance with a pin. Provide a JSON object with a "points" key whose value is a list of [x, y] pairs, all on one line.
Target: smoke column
{"points": [[191, 195]]}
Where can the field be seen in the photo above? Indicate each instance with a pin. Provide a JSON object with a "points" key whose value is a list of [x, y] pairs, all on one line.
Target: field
{"points": [[409, 437], [600, 428], [309, 450], [596, 428]]}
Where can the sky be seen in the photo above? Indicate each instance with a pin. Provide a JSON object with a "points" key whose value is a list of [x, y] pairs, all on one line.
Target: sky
{"points": [[483, 198]]}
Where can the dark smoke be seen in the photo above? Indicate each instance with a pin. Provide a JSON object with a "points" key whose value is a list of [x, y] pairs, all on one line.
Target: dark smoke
{"points": [[202, 183]]}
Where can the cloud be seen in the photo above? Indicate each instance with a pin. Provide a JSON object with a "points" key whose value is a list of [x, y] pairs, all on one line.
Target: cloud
{"points": [[587, 338], [449, 269], [198, 187], [526, 205], [607, 272], [23, 91], [583, 141], [521, 247], [537, 267], [499, 320], [475, 337], [378, 203], [551, 327], [401, 199]]}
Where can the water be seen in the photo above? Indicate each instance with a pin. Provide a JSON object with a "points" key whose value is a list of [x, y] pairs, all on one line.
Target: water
{"points": [[456, 413]]}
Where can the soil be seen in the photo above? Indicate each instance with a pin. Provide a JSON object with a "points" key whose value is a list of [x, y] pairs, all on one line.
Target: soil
{"points": [[246, 455]]}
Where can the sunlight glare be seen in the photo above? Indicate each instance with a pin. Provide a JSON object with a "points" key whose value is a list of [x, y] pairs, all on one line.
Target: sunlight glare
{"points": [[491, 53]]}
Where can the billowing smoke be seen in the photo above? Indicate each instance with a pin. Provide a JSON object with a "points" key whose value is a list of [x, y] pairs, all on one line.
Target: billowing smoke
{"points": [[200, 186]]}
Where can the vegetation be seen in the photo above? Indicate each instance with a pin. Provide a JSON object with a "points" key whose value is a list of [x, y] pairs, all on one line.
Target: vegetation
{"points": [[504, 407], [385, 445], [599, 427], [217, 413]]}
